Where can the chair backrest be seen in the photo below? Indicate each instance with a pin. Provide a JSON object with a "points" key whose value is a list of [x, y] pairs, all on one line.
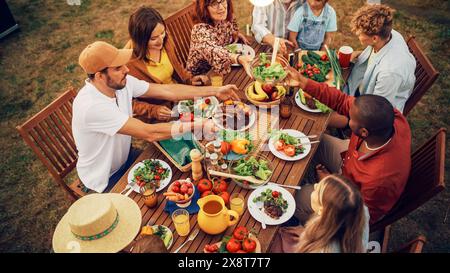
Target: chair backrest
{"points": [[426, 179], [425, 74], [49, 134], [413, 246], [179, 26]]}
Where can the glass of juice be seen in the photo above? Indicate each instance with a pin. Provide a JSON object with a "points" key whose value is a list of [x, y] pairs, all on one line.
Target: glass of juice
{"points": [[180, 219], [216, 79], [149, 194], [237, 203]]}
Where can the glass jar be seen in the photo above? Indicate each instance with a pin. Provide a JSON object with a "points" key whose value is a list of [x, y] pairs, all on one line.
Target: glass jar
{"points": [[286, 107], [148, 192]]}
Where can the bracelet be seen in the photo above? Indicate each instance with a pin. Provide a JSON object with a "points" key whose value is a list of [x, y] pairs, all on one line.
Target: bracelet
{"points": [[237, 58]]}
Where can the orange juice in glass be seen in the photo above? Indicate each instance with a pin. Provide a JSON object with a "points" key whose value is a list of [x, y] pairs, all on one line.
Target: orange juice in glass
{"points": [[237, 203], [216, 79], [180, 219]]}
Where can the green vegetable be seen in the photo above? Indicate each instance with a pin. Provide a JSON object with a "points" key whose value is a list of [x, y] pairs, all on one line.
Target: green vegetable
{"points": [[266, 196], [232, 48], [252, 167], [313, 55], [264, 72], [302, 96], [322, 107], [148, 172]]}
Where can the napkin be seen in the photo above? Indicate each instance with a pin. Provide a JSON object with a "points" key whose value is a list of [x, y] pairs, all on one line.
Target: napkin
{"points": [[179, 148]]}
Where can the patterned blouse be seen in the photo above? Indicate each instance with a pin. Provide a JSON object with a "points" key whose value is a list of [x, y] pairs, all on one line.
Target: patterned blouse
{"points": [[207, 48]]}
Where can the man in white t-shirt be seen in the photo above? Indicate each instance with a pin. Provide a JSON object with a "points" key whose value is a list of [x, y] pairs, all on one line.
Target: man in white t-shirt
{"points": [[102, 120]]}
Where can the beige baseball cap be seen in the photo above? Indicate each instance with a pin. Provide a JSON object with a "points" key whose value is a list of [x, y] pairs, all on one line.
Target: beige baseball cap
{"points": [[100, 55]]}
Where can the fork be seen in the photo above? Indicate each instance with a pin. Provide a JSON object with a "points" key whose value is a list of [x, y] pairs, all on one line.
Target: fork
{"points": [[286, 186], [191, 238]]}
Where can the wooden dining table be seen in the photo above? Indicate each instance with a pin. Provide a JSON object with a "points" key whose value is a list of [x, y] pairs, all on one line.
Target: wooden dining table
{"points": [[284, 172]]}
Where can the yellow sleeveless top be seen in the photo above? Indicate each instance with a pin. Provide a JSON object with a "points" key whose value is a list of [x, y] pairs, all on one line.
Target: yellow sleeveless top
{"points": [[162, 70]]}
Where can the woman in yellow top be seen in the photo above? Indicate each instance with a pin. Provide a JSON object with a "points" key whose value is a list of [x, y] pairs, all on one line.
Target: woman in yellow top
{"points": [[150, 61]]}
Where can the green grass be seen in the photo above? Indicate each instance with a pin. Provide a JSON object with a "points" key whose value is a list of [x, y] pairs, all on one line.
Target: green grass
{"points": [[40, 62]]}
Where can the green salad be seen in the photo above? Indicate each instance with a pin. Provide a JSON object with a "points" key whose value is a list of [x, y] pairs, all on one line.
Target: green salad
{"points": [[290, 140], [253, 167], [152, 171], [272, 197], [267, 72]]}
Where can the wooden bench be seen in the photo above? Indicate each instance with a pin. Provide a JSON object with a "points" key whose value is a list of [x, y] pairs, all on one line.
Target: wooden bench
{"points": [[426, 180], [425, 74], [49, 134]]}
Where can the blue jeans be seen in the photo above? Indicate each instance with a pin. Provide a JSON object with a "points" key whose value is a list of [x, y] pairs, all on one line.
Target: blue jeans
{"points": [[132, 156]]}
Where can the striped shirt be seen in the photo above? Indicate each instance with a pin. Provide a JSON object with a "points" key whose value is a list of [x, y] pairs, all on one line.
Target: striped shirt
{"points": [[273, 19]]}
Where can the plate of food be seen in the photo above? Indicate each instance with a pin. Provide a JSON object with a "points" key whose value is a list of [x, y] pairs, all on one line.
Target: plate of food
{"points": [[234, 115], [161, 231], [257, 166], [271, 204], [150, 171], [315, 65], [310, 104], [241, 49], [263, 71], [289, 145], [199, 108]]}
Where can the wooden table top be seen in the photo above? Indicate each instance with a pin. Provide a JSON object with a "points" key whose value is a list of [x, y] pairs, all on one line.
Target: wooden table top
{"points": [[287, 173]]}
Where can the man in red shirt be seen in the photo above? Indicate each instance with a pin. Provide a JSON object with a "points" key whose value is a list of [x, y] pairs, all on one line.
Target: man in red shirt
{"points": [[377, 158]]}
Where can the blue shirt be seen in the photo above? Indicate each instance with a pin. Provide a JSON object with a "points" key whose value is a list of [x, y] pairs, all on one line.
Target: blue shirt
{"points": [[330, 24]]}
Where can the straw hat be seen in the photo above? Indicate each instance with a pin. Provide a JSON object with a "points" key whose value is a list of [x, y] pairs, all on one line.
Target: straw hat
{"points": [[104, 223]]}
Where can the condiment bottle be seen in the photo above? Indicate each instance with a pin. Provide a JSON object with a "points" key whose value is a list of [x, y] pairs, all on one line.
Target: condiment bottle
{"points": [[214, 161], [197, 171]]}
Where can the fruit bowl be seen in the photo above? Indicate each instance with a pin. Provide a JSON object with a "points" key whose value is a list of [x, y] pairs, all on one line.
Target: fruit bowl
{"points": [[271, 80], [177, 193], [254, 92]]}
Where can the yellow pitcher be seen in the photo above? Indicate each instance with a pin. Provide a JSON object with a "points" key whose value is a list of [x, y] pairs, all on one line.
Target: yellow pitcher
{"points": [[214, 217]]}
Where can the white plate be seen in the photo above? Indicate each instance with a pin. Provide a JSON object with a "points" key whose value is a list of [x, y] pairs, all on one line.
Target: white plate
{"points": [[162, 183], [259, 214], [167, 231], [305, 141], [246, 51], [250, 124], [208, 113], [305, 107]]}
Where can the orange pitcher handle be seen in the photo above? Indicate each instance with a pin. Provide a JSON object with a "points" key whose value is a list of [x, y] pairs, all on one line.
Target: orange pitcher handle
{"points": [[235, 215]]}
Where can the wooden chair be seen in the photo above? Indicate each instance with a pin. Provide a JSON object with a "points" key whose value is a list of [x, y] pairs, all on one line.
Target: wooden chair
{"points": [[426, 180], [413, 246], [179, 26], [49, 134], [425, 73]]}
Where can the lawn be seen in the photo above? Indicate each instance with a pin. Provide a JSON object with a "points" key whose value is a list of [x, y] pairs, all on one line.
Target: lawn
{"points": [[41, 61]]}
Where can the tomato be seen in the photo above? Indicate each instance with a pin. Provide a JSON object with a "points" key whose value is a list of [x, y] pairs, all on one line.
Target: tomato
{"points": [[225, 196], [204, 185], [219, 186], [157, 177], [240, 233], [207, 101], [176, 189], [241, 251], [206, 193], [183, 188], [190, 191], [211, 248], [160, 171], [275, 194], [289, 150], [267, 65], [233, 245], [225, 147], [249, 245], [189, 185], [279, 145], [177, 183], [324, 57]]}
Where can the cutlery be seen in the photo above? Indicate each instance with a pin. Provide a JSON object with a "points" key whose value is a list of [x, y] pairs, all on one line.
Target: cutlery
{"points": [[129, 191], [312, 142], [191, 238], [261, 215], [286, 186], [127, 187], [238, 177]]}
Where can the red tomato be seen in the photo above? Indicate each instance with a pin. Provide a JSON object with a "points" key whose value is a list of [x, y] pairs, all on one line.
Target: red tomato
{"points": [[204, 185], [233, 245], [219, 186], [207, 101], [279, 145], [183, 188], [241, 251], [157, 177], [225, 196], [289, 150], [176, 189], [225, 147], [206, 193], [177, 183], [275, 194], [211, 248], [190, 191], [249, 245], [240, 233]]}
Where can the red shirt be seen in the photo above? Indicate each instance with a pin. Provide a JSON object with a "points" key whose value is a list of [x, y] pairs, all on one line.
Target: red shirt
{"points": [[382, 174]]}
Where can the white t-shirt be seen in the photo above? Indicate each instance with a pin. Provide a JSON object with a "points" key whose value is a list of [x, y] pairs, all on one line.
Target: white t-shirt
{"points": [[96, 120]]}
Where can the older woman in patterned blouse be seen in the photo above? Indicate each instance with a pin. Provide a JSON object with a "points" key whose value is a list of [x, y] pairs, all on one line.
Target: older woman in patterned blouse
{"points": [[217, 28]]}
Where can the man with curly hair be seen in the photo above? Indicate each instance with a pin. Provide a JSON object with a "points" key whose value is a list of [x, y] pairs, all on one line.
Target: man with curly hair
{"points": [[386, 67]]}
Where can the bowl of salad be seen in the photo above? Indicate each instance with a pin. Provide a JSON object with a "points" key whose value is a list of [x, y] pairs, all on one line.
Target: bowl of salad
{"points": [[257, 166], [264, 72]]}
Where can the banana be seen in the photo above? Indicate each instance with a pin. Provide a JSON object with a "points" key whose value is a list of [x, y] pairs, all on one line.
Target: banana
{"points": [[258, 89], [281, 90], [255, 95]]}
